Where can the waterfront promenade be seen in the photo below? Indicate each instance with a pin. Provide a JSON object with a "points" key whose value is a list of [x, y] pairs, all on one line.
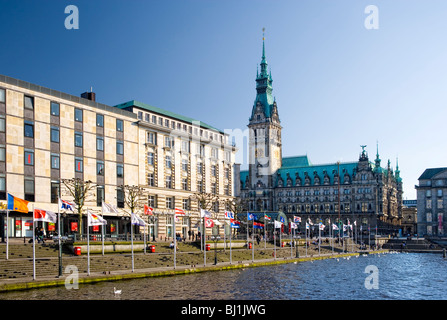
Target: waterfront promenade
{"points": [[16, 272]]}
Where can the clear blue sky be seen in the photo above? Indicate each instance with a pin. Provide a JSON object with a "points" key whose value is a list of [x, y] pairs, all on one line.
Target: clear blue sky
{"points": [[337, 84]]}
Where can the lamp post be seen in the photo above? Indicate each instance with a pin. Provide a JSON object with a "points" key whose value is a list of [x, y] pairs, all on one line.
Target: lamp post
{"points": [[215, 238]]}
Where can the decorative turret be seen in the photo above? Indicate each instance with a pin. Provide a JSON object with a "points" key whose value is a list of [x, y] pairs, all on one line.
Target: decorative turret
{"points": [[377, 167]]}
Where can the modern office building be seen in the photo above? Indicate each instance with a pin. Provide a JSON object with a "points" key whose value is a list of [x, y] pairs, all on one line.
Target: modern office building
{"points": [[47, 136], [431, 202]]}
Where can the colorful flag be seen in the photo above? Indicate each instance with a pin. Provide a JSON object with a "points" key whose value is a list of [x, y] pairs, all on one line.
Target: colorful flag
{"points": [[281, 219], [136, 220], [321, 226], [65, 205], [235, 224], [293, 225], [258, 225], [334, 226], [296, 219], [267, 217], [278, 224], [229, 215], [310, 222], [17, 204], [209, 223], [148, 210], [307, 226], [95, 220], [109, 208], [204, 213], [179, 211], [44, 215], [250, 216]]}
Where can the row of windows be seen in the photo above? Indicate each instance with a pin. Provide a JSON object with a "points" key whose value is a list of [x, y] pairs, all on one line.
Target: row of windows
{"points": [[326, 208], [325, 192], [167, 123], [169, 142]]}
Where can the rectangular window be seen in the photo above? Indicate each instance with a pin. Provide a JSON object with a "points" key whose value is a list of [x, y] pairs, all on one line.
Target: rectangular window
{"points": [[100, 195], [29, 129], [100, 168], [55, 107], [185, 203], [151, 138], [150, 158], [150, 179], [78, 139], [213, 171], [79, 165], [29, 102], [170, 202], [119, 170], [54, 134], [100, 120], [140, 115], [100, 143], [2, 95], [200, 186], [2, 186], [120, 198], [152, 201], [78, 115], [119, 125], [168, 162], [29, 189], [119, 147], [184, 184], [2, 152], [55, 161], [168, 182], [166, 123], [54, 191], [154, 119], [29, 157], [147, 117], [169, 142], [185, 164], [185, 146], [2, 123], [160, 121]]}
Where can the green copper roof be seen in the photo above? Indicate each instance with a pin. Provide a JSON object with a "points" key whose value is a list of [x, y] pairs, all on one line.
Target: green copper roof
{"points": [[134, 103], [299, 161]]}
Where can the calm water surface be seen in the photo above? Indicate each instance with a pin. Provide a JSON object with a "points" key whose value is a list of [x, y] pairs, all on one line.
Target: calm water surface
{"points": [[400, 276]]}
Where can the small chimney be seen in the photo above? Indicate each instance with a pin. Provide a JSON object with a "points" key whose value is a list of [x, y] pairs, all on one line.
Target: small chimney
{"points": [[89, 95]]}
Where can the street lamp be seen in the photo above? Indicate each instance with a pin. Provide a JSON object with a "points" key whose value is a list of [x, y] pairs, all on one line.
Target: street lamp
{"points": [[215, 238]]}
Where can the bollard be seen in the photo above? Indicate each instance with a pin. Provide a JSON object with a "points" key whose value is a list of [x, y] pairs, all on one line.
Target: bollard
{"points": [[443, 253]]}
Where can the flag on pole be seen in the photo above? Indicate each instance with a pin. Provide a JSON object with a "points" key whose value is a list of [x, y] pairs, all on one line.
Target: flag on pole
{"points": [[267, 217], [345, 227], [66, 205], [258, 225], [204, 213], [109, 208], [321, 226], [17, 204], [293, 225], [209, 223], [307, 226], [235, 224], [148, 210], [278, 224], [310, 222], [44, 215], [95, 220], [229, 215], [281, 219], [136, 220], [250, 216], [334, 226], [296, 219], [179, 211]]}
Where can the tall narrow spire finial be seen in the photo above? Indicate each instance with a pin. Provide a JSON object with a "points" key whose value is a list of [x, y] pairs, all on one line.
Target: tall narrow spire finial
{"points": [[263, 46]]}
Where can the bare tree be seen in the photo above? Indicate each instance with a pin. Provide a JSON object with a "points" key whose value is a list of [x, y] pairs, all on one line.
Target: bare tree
{"points": [[81, 191], [134, 197], [205, 200]]}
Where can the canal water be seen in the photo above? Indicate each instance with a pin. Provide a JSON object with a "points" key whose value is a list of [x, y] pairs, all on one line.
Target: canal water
{"points": [[400, 276]]}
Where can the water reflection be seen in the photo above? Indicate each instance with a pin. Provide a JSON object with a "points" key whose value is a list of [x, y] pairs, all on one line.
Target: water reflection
{"points": [[401, 276]]}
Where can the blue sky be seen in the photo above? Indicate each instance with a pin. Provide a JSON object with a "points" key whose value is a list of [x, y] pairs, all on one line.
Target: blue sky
{"points": [[337, 84]]}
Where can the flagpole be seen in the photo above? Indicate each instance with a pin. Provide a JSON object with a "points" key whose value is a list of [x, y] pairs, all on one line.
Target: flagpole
{"points": [[291, 239], [306, 237], [102, 227], [34, 248], [175, 242], [88, 244], [58, 232], [131, 239], [274, 239], [265, 228], [319, 238], [204, 242], [231, 236], [7, 232], [253, 242]]}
